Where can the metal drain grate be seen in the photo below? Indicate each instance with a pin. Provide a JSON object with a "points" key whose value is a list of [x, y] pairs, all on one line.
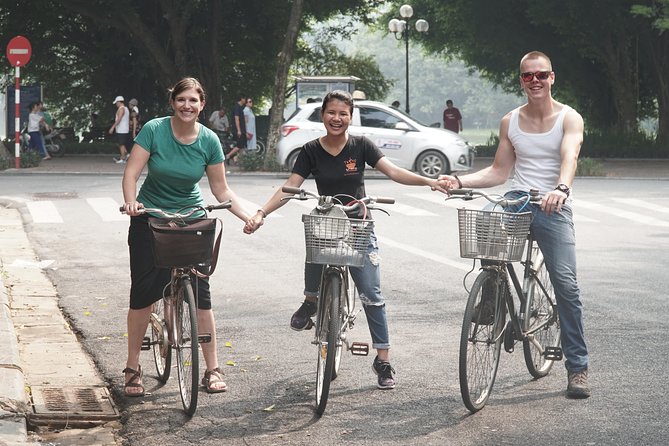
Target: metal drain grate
{"points": [[71, 406], [39, 196]]}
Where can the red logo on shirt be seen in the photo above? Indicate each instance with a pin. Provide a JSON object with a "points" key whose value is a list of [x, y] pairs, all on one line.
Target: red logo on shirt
{"points": [[350, 165]]}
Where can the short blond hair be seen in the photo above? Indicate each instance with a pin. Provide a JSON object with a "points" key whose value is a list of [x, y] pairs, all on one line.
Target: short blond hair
{"points": [[536, 55]]}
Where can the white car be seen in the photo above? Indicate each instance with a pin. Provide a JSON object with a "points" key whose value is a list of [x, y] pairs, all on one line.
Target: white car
{"points": [[407, 143]]}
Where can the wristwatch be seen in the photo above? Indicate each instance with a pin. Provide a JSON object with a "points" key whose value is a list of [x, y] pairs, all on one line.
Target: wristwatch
{"points": [[563, 188]]}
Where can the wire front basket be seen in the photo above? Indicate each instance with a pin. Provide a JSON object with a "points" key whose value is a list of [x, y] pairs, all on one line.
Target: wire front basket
{"points": [[493, 235], [336, 240]]}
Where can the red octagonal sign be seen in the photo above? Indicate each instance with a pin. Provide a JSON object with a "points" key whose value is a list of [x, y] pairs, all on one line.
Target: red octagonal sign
{"points": [[19, 51]]}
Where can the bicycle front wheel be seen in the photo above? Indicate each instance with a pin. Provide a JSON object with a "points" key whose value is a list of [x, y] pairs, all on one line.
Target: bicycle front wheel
{"points": [[481, 338], [348, 293], [543, 323], [162, 350], [328, 337], [187, 345]]}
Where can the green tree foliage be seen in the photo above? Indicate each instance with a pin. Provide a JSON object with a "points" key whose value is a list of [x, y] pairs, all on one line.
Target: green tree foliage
{"points": [[85, 52], [607, 62], [326, 59]]}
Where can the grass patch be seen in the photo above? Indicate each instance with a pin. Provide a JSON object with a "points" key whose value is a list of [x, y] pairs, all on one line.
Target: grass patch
{"points": [[588, 167]]}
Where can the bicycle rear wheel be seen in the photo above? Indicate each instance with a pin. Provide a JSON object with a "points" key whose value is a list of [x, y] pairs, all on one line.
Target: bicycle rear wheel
{"points": [[481, 338], [328, 337], [542, 316], [188, 366], [162, 350]]}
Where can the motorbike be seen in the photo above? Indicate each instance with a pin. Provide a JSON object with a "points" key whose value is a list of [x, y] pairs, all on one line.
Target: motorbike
{"points": [[52, 141]]}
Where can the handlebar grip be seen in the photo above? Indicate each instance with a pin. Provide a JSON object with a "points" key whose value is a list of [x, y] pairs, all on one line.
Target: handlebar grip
{"points": [[384, 200], [121, 209], [291, 190], [224, 205], [460, 191]]}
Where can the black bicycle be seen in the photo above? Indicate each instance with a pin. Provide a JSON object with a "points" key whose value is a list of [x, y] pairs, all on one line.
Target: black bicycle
{"points": [[498, 238], [189, 247], [338, 242]]}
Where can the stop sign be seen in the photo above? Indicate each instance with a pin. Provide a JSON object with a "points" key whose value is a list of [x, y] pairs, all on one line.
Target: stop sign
{"points": [[19, 51]]}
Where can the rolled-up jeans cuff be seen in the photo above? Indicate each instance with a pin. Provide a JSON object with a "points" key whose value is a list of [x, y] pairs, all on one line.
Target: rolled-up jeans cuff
{"points": [[381, 346]]}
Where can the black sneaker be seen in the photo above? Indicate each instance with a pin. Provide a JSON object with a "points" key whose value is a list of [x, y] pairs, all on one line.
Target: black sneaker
{"points": [[385, 374], [301, 319], [577, 384]]}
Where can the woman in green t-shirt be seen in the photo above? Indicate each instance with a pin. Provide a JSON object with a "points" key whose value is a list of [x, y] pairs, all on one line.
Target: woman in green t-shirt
{"points": [[177, 151]]}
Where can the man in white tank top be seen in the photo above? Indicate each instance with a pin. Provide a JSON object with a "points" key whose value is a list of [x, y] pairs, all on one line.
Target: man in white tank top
{"points": [[541, 141], [122, 127]]}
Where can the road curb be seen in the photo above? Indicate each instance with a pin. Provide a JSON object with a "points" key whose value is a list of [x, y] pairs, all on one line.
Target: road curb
{"points": [[13, 398]]}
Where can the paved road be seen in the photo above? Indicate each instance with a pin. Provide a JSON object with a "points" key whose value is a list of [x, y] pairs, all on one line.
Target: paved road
{"points": [[622, 253]]}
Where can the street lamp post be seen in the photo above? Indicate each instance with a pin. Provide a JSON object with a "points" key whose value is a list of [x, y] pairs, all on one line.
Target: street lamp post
{"points": [[401, 28]]}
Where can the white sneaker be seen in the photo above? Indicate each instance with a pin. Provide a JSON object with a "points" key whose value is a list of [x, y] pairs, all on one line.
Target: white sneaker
{"points": [[119, 160]]}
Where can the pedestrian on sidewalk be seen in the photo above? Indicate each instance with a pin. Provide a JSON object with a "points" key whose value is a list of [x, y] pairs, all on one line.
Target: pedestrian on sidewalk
{"points": [[122, 128], [178, 151]]}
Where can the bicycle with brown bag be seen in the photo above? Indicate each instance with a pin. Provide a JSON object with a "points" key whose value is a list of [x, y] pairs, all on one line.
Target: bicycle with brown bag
{"points": [[186, 242]]}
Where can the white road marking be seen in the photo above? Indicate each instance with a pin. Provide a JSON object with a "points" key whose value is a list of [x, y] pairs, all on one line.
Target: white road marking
{"points": [[107, 209], [643, 204], [425, 254], [44, 212], [633, 216]]}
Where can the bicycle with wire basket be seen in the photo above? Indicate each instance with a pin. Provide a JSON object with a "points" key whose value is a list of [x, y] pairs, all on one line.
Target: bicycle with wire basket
{"points": [[188, 246], [498, 238], [338, 242]]}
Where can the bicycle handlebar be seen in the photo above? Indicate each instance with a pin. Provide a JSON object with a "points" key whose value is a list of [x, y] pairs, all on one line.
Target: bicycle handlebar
{"points": [[470, 194], [305, 195], [193, 209]]}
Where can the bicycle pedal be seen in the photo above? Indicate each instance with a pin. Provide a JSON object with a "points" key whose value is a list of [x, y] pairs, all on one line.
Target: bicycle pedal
{"points": [[146, 343], [553, 353], [204, 338], [359, 348], [310, 324]]}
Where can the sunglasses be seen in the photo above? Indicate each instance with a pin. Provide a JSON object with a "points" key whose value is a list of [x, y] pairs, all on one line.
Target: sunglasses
{"points": [[540, 75]]}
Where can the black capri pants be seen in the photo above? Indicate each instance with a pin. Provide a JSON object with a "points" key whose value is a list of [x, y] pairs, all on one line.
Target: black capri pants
{"points": [[147, 280]]}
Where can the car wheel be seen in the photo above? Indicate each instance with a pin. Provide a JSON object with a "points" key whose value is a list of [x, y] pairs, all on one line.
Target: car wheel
{"points": [[290, 162], [431, 164]]}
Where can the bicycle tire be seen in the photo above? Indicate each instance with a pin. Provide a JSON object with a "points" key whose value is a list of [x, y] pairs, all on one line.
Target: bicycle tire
{"points": [[328, 337], [162, 350], [260, 147], [347, 308], [480, 341], [540, 309], [188, 365]]}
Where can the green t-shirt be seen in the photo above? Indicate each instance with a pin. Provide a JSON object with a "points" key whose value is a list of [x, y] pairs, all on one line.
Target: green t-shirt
{"points": [[174, 169]]}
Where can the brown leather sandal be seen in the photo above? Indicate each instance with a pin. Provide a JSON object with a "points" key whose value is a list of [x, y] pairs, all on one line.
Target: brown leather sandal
{"points": [[133, 382], [211, 377]]}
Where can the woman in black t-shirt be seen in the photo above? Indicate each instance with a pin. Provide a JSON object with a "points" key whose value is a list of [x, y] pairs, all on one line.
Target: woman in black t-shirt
{"points": [[337, 163]]}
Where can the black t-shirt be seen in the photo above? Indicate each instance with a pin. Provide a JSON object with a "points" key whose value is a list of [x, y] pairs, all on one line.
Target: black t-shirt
{"points": [[341, 174], [238, 110]]}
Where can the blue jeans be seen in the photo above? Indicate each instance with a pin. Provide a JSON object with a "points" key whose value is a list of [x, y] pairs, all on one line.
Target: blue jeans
{"points": [[367, 280], [557, 240], [37, 142]]}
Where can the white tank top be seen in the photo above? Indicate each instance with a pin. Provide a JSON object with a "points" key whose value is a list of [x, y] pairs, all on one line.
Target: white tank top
{"points": [[124, 125], [537, 155]]}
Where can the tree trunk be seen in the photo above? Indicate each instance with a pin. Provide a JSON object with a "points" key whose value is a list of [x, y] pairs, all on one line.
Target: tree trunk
{"points": [[284, 60], [214, 87], [660, 60]]}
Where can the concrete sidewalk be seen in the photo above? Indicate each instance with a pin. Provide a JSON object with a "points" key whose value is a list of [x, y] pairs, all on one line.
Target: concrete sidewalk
{"points": [[46, 378]]}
